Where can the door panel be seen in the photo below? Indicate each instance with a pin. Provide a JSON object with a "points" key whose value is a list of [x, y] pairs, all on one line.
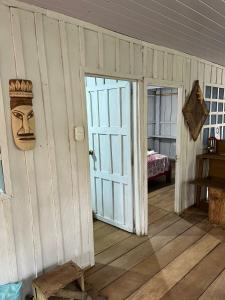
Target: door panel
{"points": [[109, 128]]}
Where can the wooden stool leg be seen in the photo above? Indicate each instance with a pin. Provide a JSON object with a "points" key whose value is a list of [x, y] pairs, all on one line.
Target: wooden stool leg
{"points": [[81, 283]]}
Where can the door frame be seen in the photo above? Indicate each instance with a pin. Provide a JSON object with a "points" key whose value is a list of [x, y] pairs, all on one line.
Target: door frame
{"points": [[137, 140], [178, 206]]}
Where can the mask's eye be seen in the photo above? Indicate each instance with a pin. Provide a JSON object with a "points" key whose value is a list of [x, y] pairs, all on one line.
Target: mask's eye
{"points": [[18, 115], [30, 115]]}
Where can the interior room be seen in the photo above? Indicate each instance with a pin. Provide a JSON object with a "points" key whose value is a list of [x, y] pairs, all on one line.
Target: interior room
{"points": [[161, 139], [112, 149]]}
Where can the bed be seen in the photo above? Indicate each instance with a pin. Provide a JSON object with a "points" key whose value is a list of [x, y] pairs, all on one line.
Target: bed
{"points": [[158, 165]]}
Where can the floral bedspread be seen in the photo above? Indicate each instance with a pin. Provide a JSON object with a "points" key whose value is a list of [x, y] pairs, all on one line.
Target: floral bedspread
{"points": [[157, 164]]}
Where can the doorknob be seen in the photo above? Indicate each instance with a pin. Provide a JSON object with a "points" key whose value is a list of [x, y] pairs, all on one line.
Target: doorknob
{"points": [[91, 152]]}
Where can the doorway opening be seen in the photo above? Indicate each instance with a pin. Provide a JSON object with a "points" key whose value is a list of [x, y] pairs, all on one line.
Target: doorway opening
{"points": [[109, 116], [162, 115]]}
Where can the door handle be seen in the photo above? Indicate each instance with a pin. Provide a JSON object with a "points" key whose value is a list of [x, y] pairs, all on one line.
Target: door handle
{"points": [[91, 152]]}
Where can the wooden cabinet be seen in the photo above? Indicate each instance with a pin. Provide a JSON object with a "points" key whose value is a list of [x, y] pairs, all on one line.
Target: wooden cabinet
{"points": [[215, 181], [217, 205], [216, 173]]}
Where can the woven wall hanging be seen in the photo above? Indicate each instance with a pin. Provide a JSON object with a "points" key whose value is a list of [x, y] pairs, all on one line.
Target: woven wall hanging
{"points": [[195, 111]]}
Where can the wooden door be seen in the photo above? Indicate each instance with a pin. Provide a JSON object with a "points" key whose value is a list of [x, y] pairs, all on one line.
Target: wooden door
{"points": [[109, 127]]}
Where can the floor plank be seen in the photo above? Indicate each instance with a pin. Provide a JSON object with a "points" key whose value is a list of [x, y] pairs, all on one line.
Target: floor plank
{"points": [[97, 224], [130, 243], [178, 252], [124, 286], [217, 289], [110, 239], [103, 231], [162, 282], [119, 266], [157, 214], [214, 263]]}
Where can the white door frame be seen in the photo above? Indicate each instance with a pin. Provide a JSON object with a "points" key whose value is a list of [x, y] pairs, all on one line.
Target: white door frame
{"points": [[138, 138], [178, 207]]}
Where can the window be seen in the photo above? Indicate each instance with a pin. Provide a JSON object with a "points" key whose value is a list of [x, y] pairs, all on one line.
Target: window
{"points": [[215, 102]]}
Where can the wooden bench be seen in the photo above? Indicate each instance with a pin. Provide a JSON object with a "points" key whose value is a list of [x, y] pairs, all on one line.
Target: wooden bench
{"points": [[53, 283]]}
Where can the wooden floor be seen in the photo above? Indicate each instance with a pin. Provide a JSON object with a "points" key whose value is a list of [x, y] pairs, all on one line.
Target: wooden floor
{"points": [[181, 258]]}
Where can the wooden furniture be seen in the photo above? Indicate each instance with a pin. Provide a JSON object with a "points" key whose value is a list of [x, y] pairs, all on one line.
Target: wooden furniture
{"points": [[216, 173], [220, 146], [52, 284], [158, 165], [217, 206]]}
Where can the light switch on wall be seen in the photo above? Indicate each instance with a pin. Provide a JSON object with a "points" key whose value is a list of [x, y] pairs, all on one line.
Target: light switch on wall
{"points": [[79, 133]]}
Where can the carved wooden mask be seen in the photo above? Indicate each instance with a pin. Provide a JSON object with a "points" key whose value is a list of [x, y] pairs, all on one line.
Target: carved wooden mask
{"points": [[22, 115], [195, 111]]}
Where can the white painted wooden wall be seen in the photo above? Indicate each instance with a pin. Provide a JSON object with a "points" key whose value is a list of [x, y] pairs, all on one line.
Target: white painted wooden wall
{"points": [[48, 219], [162, 120]]}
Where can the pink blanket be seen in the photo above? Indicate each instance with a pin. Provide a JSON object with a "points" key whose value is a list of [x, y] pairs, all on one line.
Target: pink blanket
{"points": [[158, 164]]}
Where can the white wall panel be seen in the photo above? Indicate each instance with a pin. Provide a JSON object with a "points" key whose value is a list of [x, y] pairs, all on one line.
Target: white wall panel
{"points": [[109, 46], [170, 66], [48, 219], [91, 45], [149, 62], [7, 70], [160, 64], [124, 57], [138, 60]]}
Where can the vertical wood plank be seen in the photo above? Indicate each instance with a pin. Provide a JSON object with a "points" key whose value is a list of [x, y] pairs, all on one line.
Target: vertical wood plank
{"points": [[207, 77], [174, 76], [160, 64], [191, 145], [84, 183], [29, 191], [91, 48], [4, 147], [155, 63], [4, 262], [109, 53], [144, 59], [61, 130], [100, 51], [74, 55], [219, 75], [201, 78], [7, 70], [28, 48], [82, 46], [138, 59], [73, 244], [223, 76], [117, 55], [43, 213], [185, 135], [169, 66], [124, 52], [149, 62], [165, 66], [131, 58], [213, 74], [51, 142]]}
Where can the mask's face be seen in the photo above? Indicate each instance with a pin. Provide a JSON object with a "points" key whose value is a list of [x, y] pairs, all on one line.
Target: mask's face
{"points": [[23, 126]]}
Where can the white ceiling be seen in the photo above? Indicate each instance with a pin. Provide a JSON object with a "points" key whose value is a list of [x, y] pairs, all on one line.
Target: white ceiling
{"points": [[196, 27]]}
